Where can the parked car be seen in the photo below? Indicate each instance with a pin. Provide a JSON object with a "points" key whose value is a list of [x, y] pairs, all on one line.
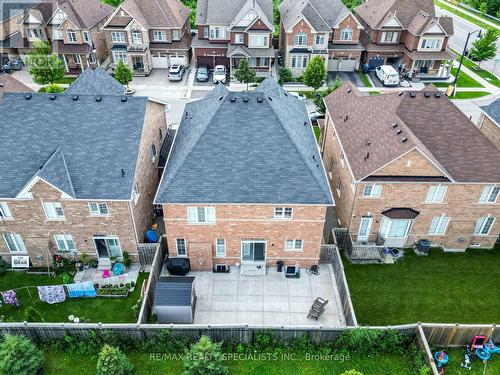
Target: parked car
{"points": [[175, 73], [219, 74], [387, 75], [298, 96], [202, 73], [315, 115]]}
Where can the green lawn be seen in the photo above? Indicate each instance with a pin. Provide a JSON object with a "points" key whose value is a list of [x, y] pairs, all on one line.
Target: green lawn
{"points": [[317, 132], [464, 80], [456, 356], [365, 79], [469, 94], [464, 15], [89, 310], [491, 78], [441, 287], [61, 363], [66, 80]]}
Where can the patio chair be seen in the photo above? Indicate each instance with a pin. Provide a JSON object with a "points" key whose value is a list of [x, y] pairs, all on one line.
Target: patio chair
{"points": [[320, 302], [315, 312]]}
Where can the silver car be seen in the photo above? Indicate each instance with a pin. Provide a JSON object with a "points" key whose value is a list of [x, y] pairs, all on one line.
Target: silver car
{"points": [[219, 74], [175, 73]]}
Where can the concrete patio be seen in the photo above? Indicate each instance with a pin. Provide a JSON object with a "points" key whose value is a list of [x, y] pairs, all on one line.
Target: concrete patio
{"points": [[231, 298]]}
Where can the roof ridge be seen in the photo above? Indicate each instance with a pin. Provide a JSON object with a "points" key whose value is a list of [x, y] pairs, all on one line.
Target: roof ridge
{"points": [[316, 10], [296, 147]]}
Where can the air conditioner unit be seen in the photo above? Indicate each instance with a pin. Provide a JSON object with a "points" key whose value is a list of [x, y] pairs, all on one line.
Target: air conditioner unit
{"points": [[221, 268]]}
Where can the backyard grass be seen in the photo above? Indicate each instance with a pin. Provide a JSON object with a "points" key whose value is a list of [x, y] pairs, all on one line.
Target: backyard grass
{"points": [[456, 356], [66, 80], [317, 132], [387, 364], [105, 310], [469, 94], [441, 287], [464, 80], [463, 15], [365, 79]]}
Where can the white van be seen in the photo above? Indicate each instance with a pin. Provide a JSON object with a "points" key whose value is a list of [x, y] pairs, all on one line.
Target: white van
{"points": [[388, 75]]}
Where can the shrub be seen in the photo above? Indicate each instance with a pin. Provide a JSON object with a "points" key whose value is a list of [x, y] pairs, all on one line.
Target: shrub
{"points": [[4, 266], [67, 278], [113, 361], [18, 355], [371, 342], [285, 76], [126, 259], [351, 372], [204, 357], [33, 315]]}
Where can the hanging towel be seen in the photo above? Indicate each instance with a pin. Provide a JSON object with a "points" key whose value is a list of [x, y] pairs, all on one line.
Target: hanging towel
{"points": [[51, 294], [10, 298], [85, 289]]}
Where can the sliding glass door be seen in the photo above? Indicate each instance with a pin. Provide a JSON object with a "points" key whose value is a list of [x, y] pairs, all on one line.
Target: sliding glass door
{"points": [[253, 251]]}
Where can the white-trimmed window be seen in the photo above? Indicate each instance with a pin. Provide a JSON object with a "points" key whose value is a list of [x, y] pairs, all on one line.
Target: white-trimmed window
{"points": [[299, 61], [5, 211], [180, 244], [154, 153], [120, 55], [300, 39], [14, 242], [346, 34], [372, 191], [201, 215], [71, 36], [489, 194], [136, 36], [53, 210], [64, 242], [435, 194], [86, 36], [283, 213], [58, 35], [433, 43], [159, 35], [220, 248], [239, 39], [117, 37], [365, 226], [389, 37], [439, 225], [176, 34], [293, 245], [218, 32], [258, 41], [483, 225], [395, 228], [320, 39], [98, 209]]}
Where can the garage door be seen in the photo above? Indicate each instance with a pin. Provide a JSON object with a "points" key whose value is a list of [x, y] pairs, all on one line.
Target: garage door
{"points": [[348, 65], [206, 60], [333, 64], [160, 61], [375, 61], [221, 60], [180, 60]]}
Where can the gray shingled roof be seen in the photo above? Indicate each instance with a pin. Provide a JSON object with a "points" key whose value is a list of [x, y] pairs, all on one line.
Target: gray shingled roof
{"points": [[321, 14], [95, 82], [223, 12], [493, 111], [80, 146], [9, 8], [231, 151]]}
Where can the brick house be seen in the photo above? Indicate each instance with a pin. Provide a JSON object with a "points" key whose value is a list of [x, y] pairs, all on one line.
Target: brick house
{"points": [[407, 33], [489, 122], [11, 19], [72, 28], [410, 165], [319, 28], [244, 184], [85, 183], [231, 31], [149, 34]]}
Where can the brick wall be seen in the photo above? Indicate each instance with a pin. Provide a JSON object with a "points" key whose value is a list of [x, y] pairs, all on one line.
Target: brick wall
{"points": [[349, 21], [237, 222], [490, 130], [413, 163]]}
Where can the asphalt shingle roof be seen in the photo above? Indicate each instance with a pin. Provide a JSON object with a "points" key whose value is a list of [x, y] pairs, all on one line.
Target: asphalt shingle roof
{"points": [[493, 111], [255, 147], [95, 82], [321, 14], [94, 140], [223, 12]]}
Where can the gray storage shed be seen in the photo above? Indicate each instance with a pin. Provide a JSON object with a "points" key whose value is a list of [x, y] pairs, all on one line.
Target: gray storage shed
{"points": [[175, 299]]}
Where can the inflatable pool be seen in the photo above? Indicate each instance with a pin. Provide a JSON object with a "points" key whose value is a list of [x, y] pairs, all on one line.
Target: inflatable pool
{"points": [[441, 358], [490, 347], [482, 354]]}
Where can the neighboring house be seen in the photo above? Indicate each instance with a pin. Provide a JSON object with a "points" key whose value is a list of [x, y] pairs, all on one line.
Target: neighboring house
{"points": [[10, 84], [95, 82], [408, 166], [73, 29], [319, 28], [12, 15], [149, 34], [244, 183], [229, 31], [406, 33], [489, 122], [79, 173]]}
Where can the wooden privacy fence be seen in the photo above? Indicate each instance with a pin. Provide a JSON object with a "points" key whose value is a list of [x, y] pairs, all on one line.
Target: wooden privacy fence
{"points": [[357, 251], [148, 297], [445, 335], [147, 253]]}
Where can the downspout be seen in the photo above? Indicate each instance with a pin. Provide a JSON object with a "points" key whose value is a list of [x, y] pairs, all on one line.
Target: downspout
{"points": [[133, 223], [352, 207]]}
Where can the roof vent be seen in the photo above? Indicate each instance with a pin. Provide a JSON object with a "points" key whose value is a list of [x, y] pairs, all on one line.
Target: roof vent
{"points": [[286, 94], [124, 99], [27, 96], [75, 97], [270, 99], [98, 98], [52, 97], [259, 100], [404, 139], [427, 94], [400, 93], [346, 118], [399, 131], [186, 114], [349, 91], [305, 123], [123, 172], [413, 94], [368, 142], [394, 125], [245, 99], [437, 94], [233, 100], [366, 156], [220, 98], [2, 84]]}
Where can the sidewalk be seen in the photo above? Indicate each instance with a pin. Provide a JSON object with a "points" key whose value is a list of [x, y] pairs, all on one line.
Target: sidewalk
{"points": [[469, 13]]}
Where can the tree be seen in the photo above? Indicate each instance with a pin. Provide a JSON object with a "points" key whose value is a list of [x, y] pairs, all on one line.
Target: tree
{"points": [[245, 73], [113, 361], [123, 74], [204, 358], [320, 104], [485, 47], [43, 65], [315, 73], [18, 355], [351, 4], [483, 8], [285, 75], [113, 3], [351, 372]]}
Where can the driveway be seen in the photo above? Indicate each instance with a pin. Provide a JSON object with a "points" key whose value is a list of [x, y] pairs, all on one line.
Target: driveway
{"points": [[375, 80], [210, 78], [160, 77], [345, 77]]}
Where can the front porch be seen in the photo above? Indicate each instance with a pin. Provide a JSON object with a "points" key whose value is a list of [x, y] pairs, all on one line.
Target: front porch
{"points": [[260, 59]]}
